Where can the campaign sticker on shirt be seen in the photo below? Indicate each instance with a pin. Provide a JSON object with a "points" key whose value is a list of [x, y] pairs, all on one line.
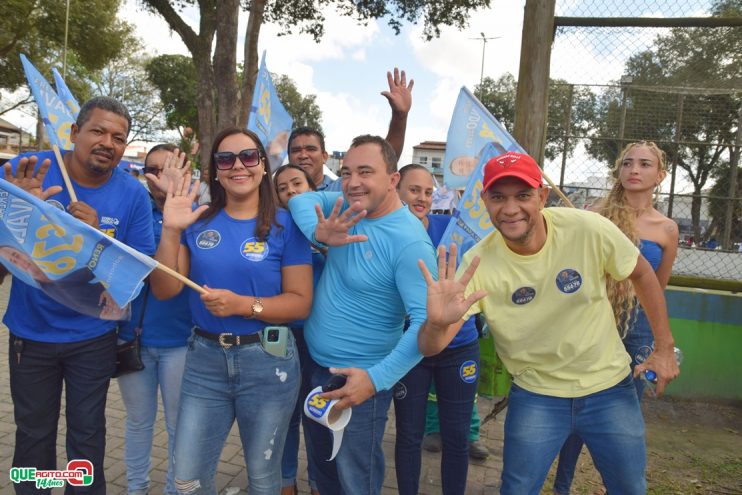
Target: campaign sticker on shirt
{"points": [[254, 250], [524, 295], [55, 204], [400, 391], [208, 239], [569, 281], [642, 354], [316, 405], [468, 371]]}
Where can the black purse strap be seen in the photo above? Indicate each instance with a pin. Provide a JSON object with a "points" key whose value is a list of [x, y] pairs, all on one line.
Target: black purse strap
{"points": [[138, 330]]}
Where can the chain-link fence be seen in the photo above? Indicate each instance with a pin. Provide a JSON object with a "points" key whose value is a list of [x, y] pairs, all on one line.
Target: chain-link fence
{"points": [[680, 87]]}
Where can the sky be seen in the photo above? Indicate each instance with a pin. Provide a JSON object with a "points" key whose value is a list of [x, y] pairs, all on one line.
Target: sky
{"points": [[347, 69]]}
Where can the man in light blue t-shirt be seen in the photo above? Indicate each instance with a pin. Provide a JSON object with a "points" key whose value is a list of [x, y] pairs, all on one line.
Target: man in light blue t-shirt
{"points": [[370, 282], [51, 343]]}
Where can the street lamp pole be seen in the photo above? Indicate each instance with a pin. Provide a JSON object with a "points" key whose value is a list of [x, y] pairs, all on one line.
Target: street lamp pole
{"points": [[66, 30], [484, 46]]}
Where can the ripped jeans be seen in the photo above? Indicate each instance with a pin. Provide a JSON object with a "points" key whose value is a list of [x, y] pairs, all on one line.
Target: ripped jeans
{"points": [[220, 385]]}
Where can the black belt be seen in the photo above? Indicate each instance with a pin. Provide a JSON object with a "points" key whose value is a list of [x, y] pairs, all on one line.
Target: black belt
{"points": [[227, 340]]}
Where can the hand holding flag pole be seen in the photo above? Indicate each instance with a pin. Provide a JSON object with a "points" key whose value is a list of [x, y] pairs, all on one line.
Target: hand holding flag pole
{"points": [[65, 176]]}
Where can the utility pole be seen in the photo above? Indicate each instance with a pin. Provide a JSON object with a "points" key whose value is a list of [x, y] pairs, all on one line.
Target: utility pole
{"points": [[484, 46]]}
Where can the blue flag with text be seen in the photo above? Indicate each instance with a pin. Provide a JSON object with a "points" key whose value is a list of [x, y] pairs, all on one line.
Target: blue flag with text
{"points": [[269, 118], [53, 111], [472, 128], [70, 261], [65, 94]]}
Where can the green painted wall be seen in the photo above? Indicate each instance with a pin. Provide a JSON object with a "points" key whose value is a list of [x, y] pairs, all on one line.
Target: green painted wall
{"points": [[707, 326]]}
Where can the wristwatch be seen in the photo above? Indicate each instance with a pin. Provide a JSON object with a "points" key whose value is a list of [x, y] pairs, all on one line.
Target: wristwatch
{"points": [[257, 308]]}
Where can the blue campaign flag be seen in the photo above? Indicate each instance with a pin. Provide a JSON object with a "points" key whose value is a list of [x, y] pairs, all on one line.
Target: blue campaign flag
{"points": [[70, 261], [269, 119], [65, 94], [54, 113], [472, 128]]}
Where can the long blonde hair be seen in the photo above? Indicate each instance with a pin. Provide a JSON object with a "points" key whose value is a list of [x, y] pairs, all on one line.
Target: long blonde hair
{"points": [[621, 293]]}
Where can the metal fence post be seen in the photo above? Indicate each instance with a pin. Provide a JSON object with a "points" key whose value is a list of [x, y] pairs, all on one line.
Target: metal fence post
{"points": [[567, 132], [734, 163], [678, 127]]}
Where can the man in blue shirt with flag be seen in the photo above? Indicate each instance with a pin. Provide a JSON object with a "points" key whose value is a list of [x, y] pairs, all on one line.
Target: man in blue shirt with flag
{"points": [[367, 287], [51, 344]]}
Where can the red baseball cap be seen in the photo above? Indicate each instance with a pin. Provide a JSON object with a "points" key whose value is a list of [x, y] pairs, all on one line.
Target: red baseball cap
{"points": [[512, 164]]}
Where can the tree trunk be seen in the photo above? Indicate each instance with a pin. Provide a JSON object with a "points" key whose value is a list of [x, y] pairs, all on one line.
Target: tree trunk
{"points": [[225, 63], [205, 105], [250, 71]]}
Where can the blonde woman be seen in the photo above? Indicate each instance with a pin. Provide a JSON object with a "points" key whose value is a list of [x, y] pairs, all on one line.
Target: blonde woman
{"points": [[637, 174]]}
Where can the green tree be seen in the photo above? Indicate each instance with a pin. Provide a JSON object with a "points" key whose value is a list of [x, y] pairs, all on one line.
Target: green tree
{"points": [[175, 78], [125, 79], [498, 96], [220, 101], [682, 95], [718, 203], [303, 109], [37, 27]]}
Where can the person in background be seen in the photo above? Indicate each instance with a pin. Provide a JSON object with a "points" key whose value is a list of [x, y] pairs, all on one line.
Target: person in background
{"points": [[307, 145], [637, 174], [255, 267], [289, 181], [454, 371], [165, 326]]}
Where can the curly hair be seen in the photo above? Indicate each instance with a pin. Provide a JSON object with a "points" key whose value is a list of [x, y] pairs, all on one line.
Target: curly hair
{"points": [[614, 207]]}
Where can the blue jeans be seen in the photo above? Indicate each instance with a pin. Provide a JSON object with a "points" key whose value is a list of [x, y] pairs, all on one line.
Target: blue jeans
{"points": [[163, 368], [358, 468], [456, 387], [639, 343], [220, 385], [36, 380], [290, 461], [610, 423]]}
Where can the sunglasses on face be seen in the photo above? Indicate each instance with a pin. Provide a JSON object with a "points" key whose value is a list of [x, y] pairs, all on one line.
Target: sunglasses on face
{"points": [[225, 160], [152, 170]]}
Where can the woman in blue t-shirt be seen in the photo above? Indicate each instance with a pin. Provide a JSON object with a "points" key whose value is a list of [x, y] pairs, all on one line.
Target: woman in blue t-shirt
{"points": [[255, 267], [454, 371], [291, 180]]}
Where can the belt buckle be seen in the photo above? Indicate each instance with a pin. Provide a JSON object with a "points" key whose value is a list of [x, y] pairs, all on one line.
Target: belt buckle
{"points": [[223, 343]]}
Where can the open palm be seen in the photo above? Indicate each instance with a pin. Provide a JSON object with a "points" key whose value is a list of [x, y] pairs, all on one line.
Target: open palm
{"points": [[178, 212]]}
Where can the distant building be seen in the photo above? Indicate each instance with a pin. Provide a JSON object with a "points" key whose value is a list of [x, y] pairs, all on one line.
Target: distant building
{"points": [[12, 140], [430, 155]]}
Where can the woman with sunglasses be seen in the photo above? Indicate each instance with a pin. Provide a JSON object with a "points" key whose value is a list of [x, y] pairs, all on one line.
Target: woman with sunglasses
{"points": [[255, 266], [291, 180]]}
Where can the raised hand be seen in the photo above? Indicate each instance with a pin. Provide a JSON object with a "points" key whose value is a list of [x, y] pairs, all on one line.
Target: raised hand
{"points": [[29, 180], [400, 93], [175, 167], [178, 212], [446, 302], [333, 230]]}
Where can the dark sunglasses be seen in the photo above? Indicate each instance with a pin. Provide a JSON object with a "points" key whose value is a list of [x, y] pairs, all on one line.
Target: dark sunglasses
{"points": [[152, 170], [225, 160]]}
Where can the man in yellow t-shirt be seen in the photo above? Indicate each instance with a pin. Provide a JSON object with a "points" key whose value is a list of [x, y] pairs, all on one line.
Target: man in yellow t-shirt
{"points": [[541, 287]]}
